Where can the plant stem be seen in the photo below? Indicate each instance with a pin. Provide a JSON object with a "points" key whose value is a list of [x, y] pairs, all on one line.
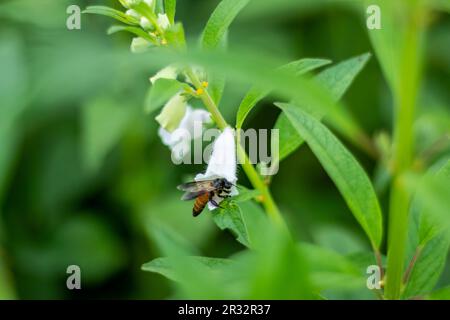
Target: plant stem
{"points": [[255, 179], [403, 148]]}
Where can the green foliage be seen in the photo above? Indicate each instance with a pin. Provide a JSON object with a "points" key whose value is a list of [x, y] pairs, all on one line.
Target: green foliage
{"points": [[134, 30], [256, 94], [164, 267], [429, 238], [161, 91], [219, 22], [337, 79], [343, 169], [170, 8], [231, 218], [103, 123], [85, 179], [112, 13], [440, 294]]}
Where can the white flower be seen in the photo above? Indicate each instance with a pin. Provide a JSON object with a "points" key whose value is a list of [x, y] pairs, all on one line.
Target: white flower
{"points": [[190, 127], [222, 163], [139, 45], [163, 21], [169, 72]]}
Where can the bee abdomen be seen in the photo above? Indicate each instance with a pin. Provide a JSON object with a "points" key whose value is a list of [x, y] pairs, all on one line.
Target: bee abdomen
{"points": [[200, 204]]}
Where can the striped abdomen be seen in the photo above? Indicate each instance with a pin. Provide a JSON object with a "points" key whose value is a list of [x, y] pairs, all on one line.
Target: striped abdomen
{"points": [[200, 204]]}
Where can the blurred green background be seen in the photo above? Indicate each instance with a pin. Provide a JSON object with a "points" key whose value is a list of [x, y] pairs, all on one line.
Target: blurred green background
{"points": [[84, 176]]}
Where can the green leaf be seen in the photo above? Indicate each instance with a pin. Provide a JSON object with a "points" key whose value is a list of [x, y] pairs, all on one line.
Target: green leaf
{"points": [[134, 30], [195, 279], [246, 194], [433, 192], [220, 20], [345, 171], [428, 266], [337, 79], [160, 92], [216, 79], [428, 233], [113, 13], [256, 94], [331, 270], [170, 8], [164, 266], [231, 218], [441, 294], [175, 35]]}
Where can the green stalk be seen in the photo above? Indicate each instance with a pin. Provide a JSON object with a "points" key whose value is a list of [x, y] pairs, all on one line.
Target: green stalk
{"points": [[255, 179], [403, 148]]}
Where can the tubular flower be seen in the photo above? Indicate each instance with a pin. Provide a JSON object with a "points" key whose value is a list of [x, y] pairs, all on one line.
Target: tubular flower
{"points": [[222, 163]]}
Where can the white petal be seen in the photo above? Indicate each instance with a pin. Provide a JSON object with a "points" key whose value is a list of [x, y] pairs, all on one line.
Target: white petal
{"points": [[166, 136], [190, 127], [222, 163], [169, 72], [194, 121], [163, 21]]}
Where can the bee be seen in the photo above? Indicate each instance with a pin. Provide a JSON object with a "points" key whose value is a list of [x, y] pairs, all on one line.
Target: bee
{"points": [[204, 192]]}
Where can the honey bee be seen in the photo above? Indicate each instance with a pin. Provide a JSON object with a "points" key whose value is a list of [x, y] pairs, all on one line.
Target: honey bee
{"points": [[204, 192]]}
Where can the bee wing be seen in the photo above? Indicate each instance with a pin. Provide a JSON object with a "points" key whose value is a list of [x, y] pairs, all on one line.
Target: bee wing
{"points": [[192, 195], [197, 186]]}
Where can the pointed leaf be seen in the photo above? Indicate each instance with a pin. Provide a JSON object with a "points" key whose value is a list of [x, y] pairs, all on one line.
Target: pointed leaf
{"points": [[134, 30], [429, 239], [170, 8], [345, 171], [160, 92], [220, 20], [113, 13], [337, 79], [256, 94], [164, 266], [231, 218]]}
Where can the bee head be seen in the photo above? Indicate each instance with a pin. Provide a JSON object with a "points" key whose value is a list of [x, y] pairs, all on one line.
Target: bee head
{"points": [[226, 184], [222, 183]]}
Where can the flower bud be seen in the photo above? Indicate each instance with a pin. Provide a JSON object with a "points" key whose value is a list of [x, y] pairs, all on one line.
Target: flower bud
{"points": [[139, 45], [172, 113], [163, 21], [145, 23]]}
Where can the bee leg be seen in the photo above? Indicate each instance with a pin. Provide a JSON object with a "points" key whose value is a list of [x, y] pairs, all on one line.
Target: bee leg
{"points": [[215, 203]]}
